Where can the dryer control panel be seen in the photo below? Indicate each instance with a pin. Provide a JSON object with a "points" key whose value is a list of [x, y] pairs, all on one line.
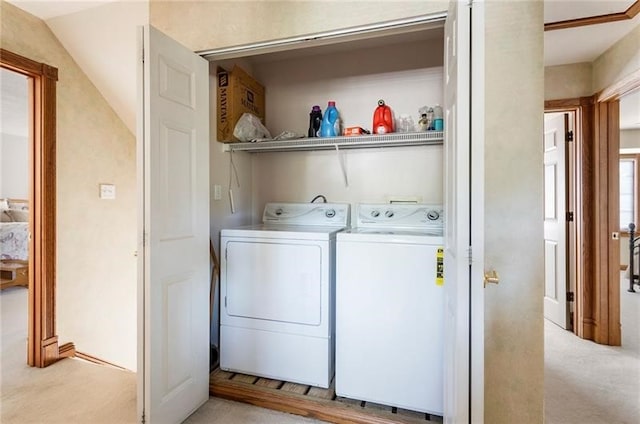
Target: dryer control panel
{"points": [[414, 216], [327, 214]]}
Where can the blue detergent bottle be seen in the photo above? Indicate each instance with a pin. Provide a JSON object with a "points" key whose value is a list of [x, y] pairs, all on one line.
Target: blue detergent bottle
{"points": [[330, 126]]}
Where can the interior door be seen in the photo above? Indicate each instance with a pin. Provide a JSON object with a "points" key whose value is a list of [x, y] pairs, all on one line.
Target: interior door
{"points": [[173, 166], [555, 224], [463, 192]]}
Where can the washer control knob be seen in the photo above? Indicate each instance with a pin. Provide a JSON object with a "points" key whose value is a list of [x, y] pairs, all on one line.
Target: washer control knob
{"points": [[433, 215], [330, 213], [278, 212], [375, 214], [389, 214]]}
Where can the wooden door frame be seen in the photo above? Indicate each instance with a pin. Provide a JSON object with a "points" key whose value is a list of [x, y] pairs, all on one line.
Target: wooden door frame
{"points": [[607, 135], [578, 258], [42, 346], [597, 307]]}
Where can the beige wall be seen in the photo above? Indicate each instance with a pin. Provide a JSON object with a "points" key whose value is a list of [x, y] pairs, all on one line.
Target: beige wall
{"points": [[96, 269], [618, 62], [514, 355], [568, 81], [514, 338], [209, 24]]}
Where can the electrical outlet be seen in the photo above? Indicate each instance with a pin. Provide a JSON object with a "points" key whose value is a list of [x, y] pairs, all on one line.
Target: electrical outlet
{"points": [[217, 192], [107, 191]]}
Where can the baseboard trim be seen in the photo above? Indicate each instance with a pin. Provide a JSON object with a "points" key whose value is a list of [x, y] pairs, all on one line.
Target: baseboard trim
{"points": [[98, 361], [67, 350]]}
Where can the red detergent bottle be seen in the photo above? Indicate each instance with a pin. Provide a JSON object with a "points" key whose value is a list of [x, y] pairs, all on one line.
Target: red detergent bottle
{"points": [[383, 119]]}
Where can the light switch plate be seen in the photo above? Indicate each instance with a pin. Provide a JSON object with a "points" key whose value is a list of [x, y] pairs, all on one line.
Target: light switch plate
{"points": [[107, 191], [217, 192]]}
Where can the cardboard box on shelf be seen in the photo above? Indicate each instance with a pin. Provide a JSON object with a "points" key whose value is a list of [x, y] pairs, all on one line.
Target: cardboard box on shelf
{"points": [[237, 93]]}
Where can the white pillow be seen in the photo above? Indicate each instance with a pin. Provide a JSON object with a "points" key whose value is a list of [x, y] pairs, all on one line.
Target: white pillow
{"points": [[4, 204], [19, 215]]}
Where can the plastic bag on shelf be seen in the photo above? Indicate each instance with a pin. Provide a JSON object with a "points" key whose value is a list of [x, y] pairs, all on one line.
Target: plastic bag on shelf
{"points": [[249, 128]]}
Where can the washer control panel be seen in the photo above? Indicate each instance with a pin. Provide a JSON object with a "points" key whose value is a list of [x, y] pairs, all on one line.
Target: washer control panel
{"points": [[329, 214], [418, 216]]}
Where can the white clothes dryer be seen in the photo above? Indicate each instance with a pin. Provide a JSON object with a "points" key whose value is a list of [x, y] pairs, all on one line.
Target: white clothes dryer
{"points": [[390, 307], [277, 287]]}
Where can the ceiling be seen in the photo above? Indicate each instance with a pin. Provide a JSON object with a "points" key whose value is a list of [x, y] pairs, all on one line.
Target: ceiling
{"points": [[562, 46], [47, 9], [569, 45]]}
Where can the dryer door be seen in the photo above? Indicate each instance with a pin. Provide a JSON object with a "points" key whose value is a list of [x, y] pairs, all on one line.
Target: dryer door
{"points": [[273, 280]]}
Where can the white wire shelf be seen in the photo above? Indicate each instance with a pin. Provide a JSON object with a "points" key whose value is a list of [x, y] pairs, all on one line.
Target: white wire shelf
{"points": [[331, 143]]}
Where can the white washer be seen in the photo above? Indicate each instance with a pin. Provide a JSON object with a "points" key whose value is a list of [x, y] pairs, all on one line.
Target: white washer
{"points": [[277, 287], [390, 307]]}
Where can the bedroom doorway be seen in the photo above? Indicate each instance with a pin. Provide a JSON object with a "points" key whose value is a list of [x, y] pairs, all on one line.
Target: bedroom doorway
{"points": [[14, 214], [42, 346]]}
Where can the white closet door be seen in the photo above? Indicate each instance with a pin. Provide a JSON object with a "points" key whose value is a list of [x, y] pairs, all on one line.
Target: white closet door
{"points": [[463, 256], [173, 152]]}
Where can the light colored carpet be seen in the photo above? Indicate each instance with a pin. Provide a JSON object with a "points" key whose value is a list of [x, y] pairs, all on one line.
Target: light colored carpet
{"points": [[73, 391], [70, 391], [588, 383], [584, 382]]}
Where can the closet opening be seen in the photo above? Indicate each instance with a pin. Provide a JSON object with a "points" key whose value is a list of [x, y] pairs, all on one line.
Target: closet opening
{"points": [[404, 66]]}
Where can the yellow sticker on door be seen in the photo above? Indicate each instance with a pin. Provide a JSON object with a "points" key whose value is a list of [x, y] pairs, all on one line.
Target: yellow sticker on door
{"points": [[440, 267]]}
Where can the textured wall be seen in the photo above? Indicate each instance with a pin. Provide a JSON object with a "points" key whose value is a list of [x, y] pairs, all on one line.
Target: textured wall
{"points": [[96, 269], [568, 81], [514, 355], [619, 61], [209, 24]]}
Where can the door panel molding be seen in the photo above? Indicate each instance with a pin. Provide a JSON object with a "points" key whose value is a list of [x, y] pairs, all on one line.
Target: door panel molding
{"points": [[42, 347]]}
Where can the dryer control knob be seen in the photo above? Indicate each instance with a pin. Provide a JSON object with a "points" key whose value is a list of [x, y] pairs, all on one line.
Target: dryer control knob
{"points": [[375, 214], [278, 212], [330, 213], [389, 214], [433, 215]]}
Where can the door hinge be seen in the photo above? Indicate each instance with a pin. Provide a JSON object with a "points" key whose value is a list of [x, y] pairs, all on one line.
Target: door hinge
{"points": [[569, 136], [470, 256], [570, 216], [225, 301], [570, 297], [142, 419]]}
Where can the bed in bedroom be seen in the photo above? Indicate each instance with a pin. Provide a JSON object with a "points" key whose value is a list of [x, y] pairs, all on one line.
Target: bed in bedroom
{"points": [[14, 243]]}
